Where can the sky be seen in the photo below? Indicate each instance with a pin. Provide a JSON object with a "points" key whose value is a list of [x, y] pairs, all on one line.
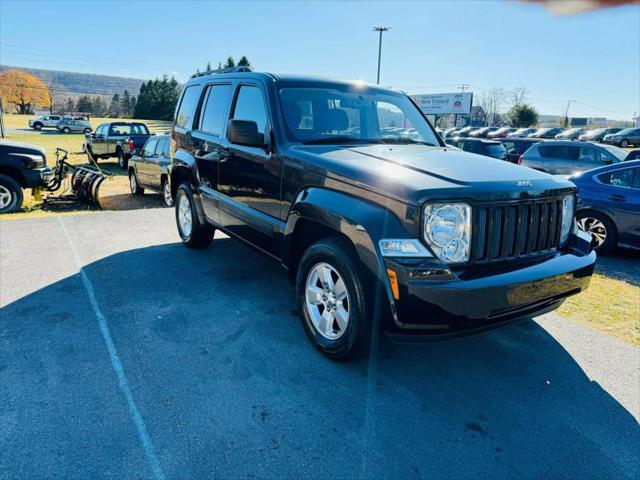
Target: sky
{"points": [[592, 58]]}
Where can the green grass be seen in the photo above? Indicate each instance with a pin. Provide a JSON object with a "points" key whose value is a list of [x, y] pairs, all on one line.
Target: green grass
{"points": [[609, 305]]}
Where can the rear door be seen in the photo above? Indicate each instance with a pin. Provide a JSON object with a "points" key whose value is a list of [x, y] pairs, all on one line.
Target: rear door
{"points": [[621, 199], [157, 162], [590, 157], [208, 143]]}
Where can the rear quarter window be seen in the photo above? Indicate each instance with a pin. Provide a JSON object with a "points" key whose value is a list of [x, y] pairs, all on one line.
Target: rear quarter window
{"points": [[188, 103]]}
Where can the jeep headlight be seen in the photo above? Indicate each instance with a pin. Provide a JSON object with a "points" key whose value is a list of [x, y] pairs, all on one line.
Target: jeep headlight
{"points": [[568, 214], [447, 230]]}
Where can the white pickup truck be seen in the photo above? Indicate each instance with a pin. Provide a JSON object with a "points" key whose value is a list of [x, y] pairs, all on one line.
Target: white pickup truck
{"points": [[45, 121]]}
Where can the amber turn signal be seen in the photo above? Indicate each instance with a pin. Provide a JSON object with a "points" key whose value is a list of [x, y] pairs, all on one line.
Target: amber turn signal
{"points": [[393, 280]]}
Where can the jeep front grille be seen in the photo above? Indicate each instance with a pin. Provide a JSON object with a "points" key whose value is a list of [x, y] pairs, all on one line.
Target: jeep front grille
{"points": [[515, 230]]}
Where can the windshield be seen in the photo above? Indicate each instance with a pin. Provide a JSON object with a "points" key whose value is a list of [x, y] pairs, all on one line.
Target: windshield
{"points": [[615, 151], [346, 114], [595, 132], [574, 130]]}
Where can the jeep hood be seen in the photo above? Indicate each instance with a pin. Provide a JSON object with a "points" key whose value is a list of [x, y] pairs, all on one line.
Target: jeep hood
{"points": [[413, 173]]}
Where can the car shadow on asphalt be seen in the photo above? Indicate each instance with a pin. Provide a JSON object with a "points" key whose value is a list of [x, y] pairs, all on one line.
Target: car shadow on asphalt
{"points": [[229, 386]]}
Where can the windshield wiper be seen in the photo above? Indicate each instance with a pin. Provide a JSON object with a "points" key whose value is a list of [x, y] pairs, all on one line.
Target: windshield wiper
{"points": [[405, 140]]}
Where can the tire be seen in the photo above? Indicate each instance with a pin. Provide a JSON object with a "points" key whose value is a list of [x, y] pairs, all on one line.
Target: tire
{"points": [[86, 130], [122, 160], [602, 229], [624, 143], [334, 257], [37, 126], [66, 130], [198, 235], [134, 186], [166, 193], [11, 196]]}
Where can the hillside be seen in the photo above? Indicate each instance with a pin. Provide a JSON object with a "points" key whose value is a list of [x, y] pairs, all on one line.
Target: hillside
{"points": [[72, 84]]}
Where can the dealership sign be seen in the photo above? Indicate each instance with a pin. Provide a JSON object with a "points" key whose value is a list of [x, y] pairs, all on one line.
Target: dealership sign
{"points": [[444, 103]]}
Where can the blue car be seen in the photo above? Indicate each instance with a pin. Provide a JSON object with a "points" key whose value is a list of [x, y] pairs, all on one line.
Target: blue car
{"points": [[609, 205]]}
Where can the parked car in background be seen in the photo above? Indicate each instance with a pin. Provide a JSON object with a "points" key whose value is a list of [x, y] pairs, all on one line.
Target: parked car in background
{"points": [[67, 125], [565, 157], [44, 121], [624, 138], [117, 139], [463, 132], [501, 132], [480, 146], [571, 134], [482, 132], [522, 132], [598, 134], [516, 146], [449, 131], [356, 216], [21, 166], [633, 155], [149, 169], [547, 132], [609, 205]]}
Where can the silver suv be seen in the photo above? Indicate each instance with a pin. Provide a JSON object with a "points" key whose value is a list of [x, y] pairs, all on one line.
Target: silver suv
{"points": [[567, 157], [44, 121], [68, 125]]}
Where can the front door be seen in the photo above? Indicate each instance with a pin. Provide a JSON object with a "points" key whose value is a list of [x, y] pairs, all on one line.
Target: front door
{"points": [[144, 162], [249, 180], [622, 199]]}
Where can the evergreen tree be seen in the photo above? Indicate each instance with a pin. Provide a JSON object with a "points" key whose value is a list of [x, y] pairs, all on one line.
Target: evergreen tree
{"points": [[208, 66], [114, 108], [157, 99], [70, 105], [244, 62], [124, 104], [230, 62], [132, 105], [85, 104], [99, 107]]}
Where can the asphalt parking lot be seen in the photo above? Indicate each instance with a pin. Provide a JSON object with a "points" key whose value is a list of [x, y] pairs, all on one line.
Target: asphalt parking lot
{"points": [[160, 362]]}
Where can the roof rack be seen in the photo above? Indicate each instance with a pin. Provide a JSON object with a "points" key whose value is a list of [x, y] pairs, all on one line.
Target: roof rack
{"points": [[223, 70]]}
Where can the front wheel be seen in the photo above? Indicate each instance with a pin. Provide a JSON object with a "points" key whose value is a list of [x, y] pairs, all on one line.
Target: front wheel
{"points": [[86, 130], [192, 231], [601, 228], [332, 300], [166, 193], [66, 130], [37, 126], [10, 195]]}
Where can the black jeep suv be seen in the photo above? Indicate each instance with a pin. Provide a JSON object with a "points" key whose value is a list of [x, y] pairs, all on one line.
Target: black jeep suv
{"points": [[379, 224]]}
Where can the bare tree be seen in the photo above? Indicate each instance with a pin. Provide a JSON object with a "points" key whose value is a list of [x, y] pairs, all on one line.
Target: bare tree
{"points": [[519, 96], [493, 102]]}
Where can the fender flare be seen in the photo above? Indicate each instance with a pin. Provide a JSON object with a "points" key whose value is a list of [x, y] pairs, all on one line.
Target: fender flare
{"points": [[363, 222], [184, 164]]}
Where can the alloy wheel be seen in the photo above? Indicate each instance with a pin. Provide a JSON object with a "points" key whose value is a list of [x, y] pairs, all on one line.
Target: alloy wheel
{"points": [[133, 183], [185, 220], [166, 191], [5, 197], [327, 301], [594, 227]]}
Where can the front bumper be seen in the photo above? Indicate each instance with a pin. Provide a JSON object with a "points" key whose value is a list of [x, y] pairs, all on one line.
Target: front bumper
{"points": [[451, 303], [38, 177]]}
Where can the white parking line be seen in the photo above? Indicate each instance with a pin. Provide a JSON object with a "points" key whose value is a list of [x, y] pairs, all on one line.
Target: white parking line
{"points": [[116, 364]]}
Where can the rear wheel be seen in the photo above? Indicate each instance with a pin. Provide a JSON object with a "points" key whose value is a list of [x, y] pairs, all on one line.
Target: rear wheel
{"points": [[332, 300], [86, 130], [122, 159], [66, 130], [37, 126], [624, 143], [134, 186], [194, 234], [601, 228], [10, 195]]}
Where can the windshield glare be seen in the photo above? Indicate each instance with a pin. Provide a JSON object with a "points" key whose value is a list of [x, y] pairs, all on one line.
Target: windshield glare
{"points": [[345, 114]]}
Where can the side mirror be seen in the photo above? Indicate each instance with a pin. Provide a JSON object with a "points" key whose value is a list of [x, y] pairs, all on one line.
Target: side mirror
{"points": [[245, 132]]}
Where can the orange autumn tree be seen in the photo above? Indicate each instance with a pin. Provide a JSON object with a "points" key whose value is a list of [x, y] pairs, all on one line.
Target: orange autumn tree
{"points": [[24, 90]]}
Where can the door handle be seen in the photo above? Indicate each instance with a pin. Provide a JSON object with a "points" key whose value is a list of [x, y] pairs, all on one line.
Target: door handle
{"points": [[617, 198]]}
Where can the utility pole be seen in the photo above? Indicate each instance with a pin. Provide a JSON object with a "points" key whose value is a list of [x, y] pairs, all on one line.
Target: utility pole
{"points": [[462, 88], [566, 113], [380, 30]]}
